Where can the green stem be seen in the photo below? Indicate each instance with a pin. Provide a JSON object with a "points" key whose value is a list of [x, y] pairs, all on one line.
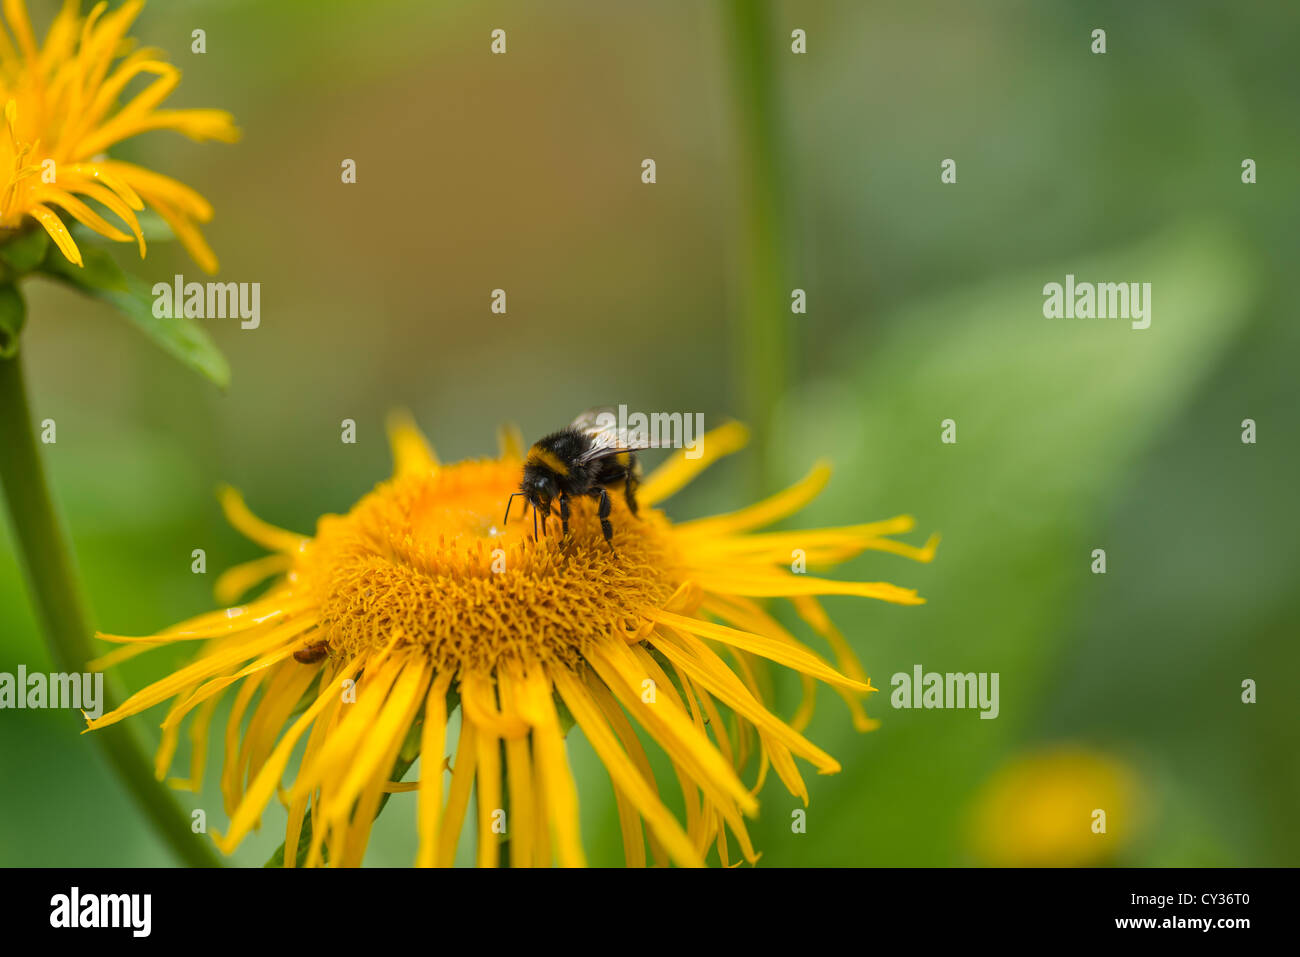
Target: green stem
{"points": [[51, 578], [763, 326]]}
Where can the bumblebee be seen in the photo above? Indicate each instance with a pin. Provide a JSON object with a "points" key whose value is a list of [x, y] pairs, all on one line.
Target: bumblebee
{"points": [[591, 457]]}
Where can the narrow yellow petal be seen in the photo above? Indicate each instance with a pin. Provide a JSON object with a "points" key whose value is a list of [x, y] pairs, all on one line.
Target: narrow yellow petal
{"points": [[412, 453], [80, 212], [680, 470], [226, 621], [785, 768], [764, 513], [58, 232], [791, 656], [232, 781], [339, 755], [170, 738], [487, 796], [632, 744], [710, 794], [16, 15], [462, 779], [810, 610], [720, 734], [552, 769], [433, 742], [629, 825], [702, 665], [773, 584], [478, 698], [190, 236], [821, 546], [119, 655], [95, 172], [519, 776], [187, 702], [111, 200], [205, 667], [319, 731], [749, 615], [157, 188], [141, 61], [234, 583], [510, 442], [253, 528], [368, 775], [282, 696], [673, 730], [623, 772], [263, 787], [199, 729]]}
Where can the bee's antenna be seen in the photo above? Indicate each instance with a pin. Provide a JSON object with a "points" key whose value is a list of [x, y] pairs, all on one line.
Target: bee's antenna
{"points": [[508, 503]]}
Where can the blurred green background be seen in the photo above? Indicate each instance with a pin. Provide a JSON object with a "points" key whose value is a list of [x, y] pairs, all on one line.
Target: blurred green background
{"points": [[523, 172]]}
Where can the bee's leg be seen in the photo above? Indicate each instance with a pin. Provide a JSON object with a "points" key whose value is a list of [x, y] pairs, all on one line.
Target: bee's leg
{"points": [[535, 511], [603, 512], [629, 491], [564, 515]]}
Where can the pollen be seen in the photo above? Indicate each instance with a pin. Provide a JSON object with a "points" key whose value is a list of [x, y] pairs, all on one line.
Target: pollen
{"points": [[425, 557]]}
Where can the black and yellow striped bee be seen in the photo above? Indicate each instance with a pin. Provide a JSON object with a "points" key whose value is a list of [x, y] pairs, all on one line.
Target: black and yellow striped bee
{"points": [[591, 457]]}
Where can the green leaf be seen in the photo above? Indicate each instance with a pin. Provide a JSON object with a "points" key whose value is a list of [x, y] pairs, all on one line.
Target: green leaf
{"points": [[103, 279], [1051, 415], [13, 313], [25, 251], [304, 845]]}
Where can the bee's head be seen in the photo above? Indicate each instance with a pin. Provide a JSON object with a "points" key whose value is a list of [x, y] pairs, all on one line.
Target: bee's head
{"points": [[539, 488]]}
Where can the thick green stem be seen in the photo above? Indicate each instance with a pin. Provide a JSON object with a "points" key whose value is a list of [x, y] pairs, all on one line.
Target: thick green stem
{"points": [[52, 581], [763, 325]]}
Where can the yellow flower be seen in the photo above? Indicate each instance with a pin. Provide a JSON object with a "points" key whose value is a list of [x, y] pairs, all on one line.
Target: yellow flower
{"points": [[61, 113], [419, 598], [1067, 806]]}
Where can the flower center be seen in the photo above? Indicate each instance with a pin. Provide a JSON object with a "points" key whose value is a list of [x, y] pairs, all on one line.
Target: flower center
{"points": [[426, 559]]}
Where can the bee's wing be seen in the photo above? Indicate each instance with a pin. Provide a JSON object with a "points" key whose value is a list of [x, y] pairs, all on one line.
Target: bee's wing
{"points": [[601, 426], [595, 419]]}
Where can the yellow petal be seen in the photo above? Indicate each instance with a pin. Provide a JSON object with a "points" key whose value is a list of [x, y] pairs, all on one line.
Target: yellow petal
{"points": [[770, 510], [552, 770], [433, 742], [779, 651], [679, 470], [623, 772], [412, 453], [510, 442], [58, 232], [487, 796], [263, 786], [253, 528], [462, 779]]}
